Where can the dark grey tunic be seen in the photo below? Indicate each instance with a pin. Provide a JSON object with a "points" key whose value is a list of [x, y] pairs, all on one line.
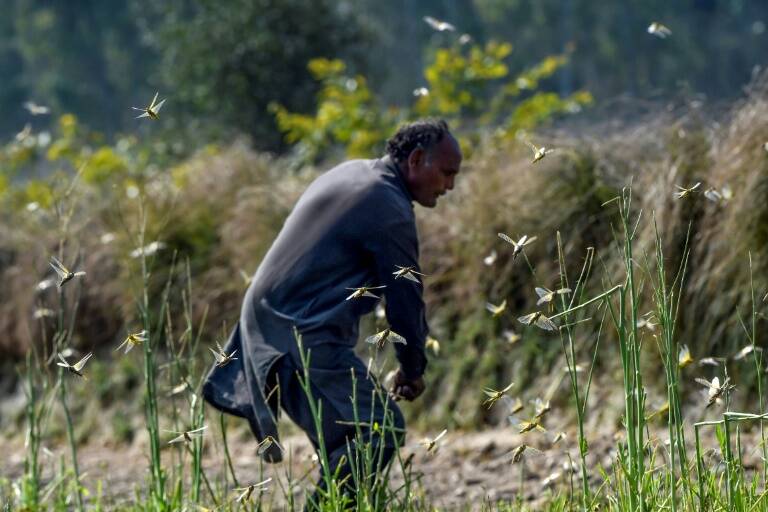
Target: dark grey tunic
{"points": [[350, 228]]}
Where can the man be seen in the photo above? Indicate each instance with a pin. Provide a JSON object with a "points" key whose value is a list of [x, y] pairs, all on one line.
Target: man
{"points": [[353, 227]]}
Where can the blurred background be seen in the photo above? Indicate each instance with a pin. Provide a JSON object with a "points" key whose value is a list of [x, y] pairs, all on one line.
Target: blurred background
{"points": [[222, 65]]}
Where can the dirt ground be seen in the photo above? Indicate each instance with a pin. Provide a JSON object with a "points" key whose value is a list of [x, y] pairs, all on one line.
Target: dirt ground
{"points": [[467, 470]]}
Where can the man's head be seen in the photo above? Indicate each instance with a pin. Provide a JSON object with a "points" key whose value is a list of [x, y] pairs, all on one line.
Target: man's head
{"points": [[429, 157]]}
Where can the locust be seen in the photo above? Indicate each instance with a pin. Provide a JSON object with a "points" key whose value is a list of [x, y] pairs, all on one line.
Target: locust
{"points": [[542, 408], [523, 426], [685, 192], [659, 30], [363, 291], [246, 492], [538, 319], [187, 436], [132, 340], [519, 245], [494, 395], [495, 310], [431, 444], [36, 109], [517, 453], [713, 195], [65, 275], [381, 337], [538, 152], [222, 358], [440, 26], [510, 336], [266, 444], [741, 354], [76, 368], [684, 358], [409, 273], [546, 295], [715, 390], [152, 110]]}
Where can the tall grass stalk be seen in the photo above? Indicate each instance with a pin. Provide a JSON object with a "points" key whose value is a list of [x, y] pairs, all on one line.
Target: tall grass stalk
{"points": [[71, 439], [331, 494], [667, 302], [625, 321], [63, 338], [569, 350], [30, 492], [157, 474], [758, 359]]}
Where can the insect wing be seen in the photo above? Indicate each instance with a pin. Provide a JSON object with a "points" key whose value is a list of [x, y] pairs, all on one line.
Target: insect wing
{"points": [[410, 276], [157, 107], [527, 319], [58, 267], [245, 494], [440, 435], [216, 355], [374, 339], [544, 294], [81, 363], [396, 338], [545, 323], [126, 341], [178, 439], [715, 388], [66, 364], [197, 432], [507, 239], [489, 392], [145, 114]]}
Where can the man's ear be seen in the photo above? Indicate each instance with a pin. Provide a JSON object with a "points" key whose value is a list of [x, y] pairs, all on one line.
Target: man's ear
{"points": [[416, 157]]}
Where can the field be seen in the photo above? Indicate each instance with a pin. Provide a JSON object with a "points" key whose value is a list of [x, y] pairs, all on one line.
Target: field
{"points": [[644, 344]]}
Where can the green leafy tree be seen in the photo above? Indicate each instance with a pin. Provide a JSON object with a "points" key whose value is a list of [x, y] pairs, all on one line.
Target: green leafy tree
{"points": [[225, 62], [470, 85]]}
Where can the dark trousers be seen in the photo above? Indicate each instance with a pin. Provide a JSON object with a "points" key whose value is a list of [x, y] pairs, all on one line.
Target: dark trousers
{"points": [[331, 367]]}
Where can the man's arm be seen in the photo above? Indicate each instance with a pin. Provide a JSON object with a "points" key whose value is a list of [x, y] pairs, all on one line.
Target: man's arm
{"points": [[394, 243]]}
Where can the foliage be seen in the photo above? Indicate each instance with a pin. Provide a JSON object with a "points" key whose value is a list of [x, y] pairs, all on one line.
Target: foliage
{"points": [[467, 84], [347, 115], [252, 53]]}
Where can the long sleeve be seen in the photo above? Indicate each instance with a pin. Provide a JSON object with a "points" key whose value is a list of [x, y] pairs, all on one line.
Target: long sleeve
{"points": [[395, 243]]}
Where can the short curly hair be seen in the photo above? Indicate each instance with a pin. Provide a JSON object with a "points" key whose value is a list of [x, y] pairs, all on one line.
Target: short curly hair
{"points": [[424, 134]]}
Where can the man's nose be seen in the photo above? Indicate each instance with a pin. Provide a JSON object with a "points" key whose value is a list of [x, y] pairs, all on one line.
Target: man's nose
{"points": [[450, 183]]}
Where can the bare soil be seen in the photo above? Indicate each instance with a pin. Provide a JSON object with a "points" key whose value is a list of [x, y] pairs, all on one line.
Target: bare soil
{"points": [[467, 470]]}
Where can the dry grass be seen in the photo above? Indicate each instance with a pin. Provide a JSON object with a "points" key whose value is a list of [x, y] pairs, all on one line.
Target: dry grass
{"points": [[222, 211]]}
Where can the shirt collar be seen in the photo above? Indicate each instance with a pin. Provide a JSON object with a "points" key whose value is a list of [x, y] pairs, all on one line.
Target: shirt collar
{"points": [[395, 168]]}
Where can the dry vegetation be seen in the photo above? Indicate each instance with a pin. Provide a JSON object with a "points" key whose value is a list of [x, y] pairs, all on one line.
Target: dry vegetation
{"points": [[220, 211]]}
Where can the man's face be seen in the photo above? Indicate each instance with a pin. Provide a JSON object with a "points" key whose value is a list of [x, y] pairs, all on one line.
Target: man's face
{"points": [[431, 173]]}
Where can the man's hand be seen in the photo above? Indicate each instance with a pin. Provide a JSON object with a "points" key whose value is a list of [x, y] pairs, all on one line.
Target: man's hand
{"points": [[405, 388]]}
